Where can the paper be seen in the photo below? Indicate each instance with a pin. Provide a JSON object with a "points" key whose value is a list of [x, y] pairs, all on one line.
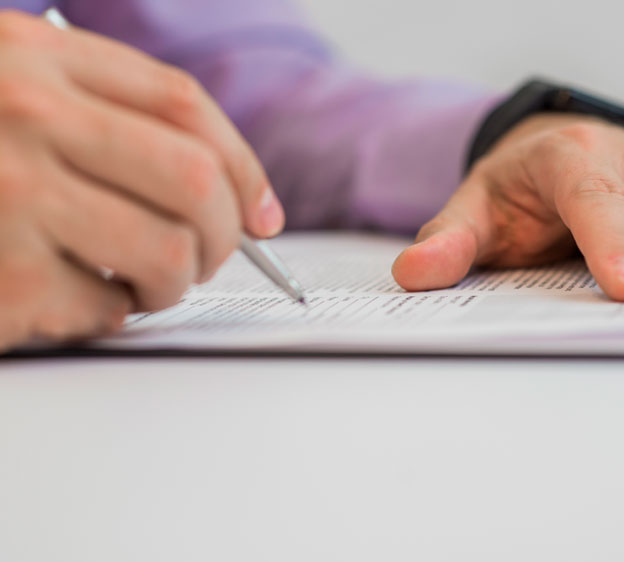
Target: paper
{"points": [[356, 307]]}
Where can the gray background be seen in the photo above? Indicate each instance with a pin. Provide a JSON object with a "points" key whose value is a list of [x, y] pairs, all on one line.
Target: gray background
{"points": [[492, 42]]}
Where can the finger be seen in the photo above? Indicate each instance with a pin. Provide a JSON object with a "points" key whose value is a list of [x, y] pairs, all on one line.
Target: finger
{"points": [[79, 304], [447, 247], [24, 279], [159, 165], [42, 294], [593, 209], [126, 76], [176, 97], [101, 228]]}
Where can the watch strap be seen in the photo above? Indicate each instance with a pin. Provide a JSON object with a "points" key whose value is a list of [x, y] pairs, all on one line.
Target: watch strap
{"points": [[537, 96]]}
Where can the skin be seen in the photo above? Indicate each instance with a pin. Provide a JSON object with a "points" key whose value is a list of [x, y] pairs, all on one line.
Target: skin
{"points": [[111, 159], [552, 187]]}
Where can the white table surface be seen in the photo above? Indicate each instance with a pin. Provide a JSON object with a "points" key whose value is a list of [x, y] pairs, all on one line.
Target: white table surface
{"points": [[311, 460]]}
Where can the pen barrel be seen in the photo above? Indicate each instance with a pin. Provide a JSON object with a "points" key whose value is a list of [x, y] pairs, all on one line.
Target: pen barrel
{"points": [[266, 260], [257, 252]]}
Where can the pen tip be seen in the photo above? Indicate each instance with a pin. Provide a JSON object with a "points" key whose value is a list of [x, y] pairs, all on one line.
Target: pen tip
{"points": [[302, 301]]}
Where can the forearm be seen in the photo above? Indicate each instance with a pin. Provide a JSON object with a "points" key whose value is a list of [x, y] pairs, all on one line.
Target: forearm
{"points": [[341, 149], [345, 151]]}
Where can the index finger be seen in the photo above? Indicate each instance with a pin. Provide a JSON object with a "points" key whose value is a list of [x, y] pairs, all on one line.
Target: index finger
{"points": [[593, 209], [131, 78], [126, 76]]}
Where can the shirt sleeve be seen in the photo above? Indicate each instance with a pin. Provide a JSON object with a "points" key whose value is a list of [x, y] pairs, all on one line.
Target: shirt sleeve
{"points": [[342, 148]]}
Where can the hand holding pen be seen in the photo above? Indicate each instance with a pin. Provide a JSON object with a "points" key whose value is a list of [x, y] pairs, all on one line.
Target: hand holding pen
{"points": [[111, 159], [262, 212]]}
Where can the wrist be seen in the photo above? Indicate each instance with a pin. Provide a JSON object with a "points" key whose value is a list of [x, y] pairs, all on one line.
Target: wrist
{"points": [[543, 123], [535, 98]]}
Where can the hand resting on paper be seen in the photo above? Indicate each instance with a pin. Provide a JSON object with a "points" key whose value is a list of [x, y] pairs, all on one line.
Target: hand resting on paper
{"points": [[552, 186], [111, 159]]}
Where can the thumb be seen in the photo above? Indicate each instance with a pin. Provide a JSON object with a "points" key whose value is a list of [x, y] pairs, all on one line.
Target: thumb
{"points": [[447, 247]]}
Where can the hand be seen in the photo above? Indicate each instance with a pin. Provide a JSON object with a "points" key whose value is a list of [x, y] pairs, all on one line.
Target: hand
{"points": [[110, 159], [552, 186]]}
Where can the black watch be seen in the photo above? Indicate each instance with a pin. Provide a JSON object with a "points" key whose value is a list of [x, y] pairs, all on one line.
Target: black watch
{"points": [[533, 97]]}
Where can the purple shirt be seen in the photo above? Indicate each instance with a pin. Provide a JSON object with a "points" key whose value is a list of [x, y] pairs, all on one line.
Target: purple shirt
{"points": [[342, 148]]}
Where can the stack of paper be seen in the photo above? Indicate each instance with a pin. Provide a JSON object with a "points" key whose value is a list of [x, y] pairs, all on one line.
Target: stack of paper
{"points": [[354, 306]]}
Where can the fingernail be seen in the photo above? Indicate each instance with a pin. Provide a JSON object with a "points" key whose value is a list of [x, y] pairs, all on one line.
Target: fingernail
{"points": [[271, 213]]}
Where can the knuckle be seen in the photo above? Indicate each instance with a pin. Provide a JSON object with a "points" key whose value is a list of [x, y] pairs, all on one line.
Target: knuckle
{"points": [[103, 129], [15, 186], [547, 146], [176, 264], [183, 94], [19, 28], [14, 26], [200, 174], [585, 135], [595, 185], [180, 248], [23, 100]]}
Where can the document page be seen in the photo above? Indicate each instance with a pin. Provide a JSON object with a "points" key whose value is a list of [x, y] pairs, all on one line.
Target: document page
{"points": [[354, 306]]}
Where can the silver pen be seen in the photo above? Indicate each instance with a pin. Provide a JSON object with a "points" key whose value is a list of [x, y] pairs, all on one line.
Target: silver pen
{"points": [[257, 252]]}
